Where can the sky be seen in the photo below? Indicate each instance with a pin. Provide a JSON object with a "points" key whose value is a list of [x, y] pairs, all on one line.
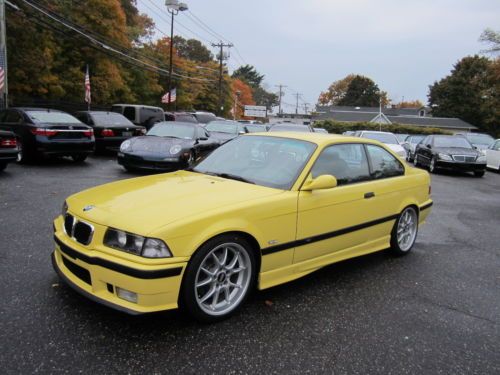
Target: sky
{"points": [[403, 45]]}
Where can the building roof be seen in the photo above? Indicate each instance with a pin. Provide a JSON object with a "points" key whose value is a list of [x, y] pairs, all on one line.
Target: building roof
{"points": [[433, 122]]}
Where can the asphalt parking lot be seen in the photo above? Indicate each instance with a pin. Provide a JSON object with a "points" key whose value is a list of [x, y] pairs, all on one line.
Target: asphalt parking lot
{"points": [[434, 311]]}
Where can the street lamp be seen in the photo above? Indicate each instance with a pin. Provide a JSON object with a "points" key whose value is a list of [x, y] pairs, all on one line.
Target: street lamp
{"points": [[173, 7]]}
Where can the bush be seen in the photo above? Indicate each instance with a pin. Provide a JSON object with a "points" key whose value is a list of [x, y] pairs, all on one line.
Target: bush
{"points": [[336, 127]]}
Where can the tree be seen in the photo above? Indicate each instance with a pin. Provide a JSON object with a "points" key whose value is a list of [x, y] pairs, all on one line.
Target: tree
{"points": [[410, 104], [470, 93], [243, 92], [362, 92], [265, 98], [353, 90], [491, 37], [336, 91], [192, 49], [249, 74]]}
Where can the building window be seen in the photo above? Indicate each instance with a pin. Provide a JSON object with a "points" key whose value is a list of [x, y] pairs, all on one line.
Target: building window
{"points": [[422, 113]]}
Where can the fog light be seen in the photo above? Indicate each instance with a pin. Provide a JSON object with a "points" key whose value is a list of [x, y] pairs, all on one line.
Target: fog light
{"points": [[127, 295]]}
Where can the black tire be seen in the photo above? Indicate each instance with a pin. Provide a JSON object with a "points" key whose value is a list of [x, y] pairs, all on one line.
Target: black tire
{"points": [[79, 158], [479, 173], [432, 165], [397, 247], [192, 159], [189, 295], [130, 169], [3, 166]]}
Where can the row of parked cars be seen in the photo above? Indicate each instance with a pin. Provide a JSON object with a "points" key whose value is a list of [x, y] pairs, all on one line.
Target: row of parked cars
{"points": [[467, 152]]}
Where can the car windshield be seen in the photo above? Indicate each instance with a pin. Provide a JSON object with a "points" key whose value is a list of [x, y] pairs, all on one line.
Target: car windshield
{"points": [[480, 139], [401, 137], [252, 128], [387, 138], [169, 129], [223, 127], [110, 119], [451, 141], [268, 161], [205, 117], [186, 118], [414, 139], [289, 128], [52, 117]]}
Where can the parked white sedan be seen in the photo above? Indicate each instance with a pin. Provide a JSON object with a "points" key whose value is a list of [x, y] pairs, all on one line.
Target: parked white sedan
{"points": [[493, 156], [385, 137]]}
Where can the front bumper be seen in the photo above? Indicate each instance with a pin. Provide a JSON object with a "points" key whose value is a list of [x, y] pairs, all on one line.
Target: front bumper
{"points": [[459, 166], [96, 276], [150, 163]]}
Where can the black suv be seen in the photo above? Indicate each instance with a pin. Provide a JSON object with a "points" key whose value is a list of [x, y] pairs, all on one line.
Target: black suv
{"points": [[48, 132]]}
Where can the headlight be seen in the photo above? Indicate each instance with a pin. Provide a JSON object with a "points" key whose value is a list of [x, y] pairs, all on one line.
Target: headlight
{"points": [[175, 149], [64, 209], [481, 159], [135, 244], [154, 248], [444, 157], [125, 146]]}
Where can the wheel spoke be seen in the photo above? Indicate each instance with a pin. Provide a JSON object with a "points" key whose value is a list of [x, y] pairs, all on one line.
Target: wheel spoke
{"points": [[237, 270], [226, 294], [234, 285], [233, 261], [209, 294], [204, 282], [224, 259], [212, 274], [215, 299]]}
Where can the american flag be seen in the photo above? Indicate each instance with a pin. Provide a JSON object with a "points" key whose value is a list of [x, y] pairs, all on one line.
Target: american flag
{"points": [[87, 86], [2, 70], [169, 98]]}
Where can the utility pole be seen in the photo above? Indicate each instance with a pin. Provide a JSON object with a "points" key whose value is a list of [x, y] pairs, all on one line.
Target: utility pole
{"points": [[3, 58], [306, 108], [281, 87], [221, 46], [297, 96]]}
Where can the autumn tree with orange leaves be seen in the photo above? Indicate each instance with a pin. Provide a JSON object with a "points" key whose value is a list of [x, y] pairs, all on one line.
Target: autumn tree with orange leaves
{"points": [[243, 93]]}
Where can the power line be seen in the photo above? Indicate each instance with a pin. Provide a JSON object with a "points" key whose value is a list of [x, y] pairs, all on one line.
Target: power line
{"points": [[281, 87]]}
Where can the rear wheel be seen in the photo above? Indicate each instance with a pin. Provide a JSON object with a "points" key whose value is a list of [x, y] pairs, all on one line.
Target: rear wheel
{"points": [[218, 278], [479, 173], [80, 158], [404, 232], [23, 155]]}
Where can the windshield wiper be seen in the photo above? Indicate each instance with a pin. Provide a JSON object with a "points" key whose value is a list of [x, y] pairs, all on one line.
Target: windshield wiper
{"points": [[231, 177]]}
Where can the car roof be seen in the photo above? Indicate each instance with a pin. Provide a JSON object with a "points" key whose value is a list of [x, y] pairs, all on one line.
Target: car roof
{"points": [[136, 106], [37, 109], [100, 112], [318, 138]]}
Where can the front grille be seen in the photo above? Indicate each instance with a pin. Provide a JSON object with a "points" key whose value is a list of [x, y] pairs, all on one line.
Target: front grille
{"points": [[68, 224], [464, 158], [78, 271], [80, 231]]}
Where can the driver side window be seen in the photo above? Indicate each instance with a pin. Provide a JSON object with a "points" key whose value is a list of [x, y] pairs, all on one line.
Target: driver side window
{"points": [[347, 162]]}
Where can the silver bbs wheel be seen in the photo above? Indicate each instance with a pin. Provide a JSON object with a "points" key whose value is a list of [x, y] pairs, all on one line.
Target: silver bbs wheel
{"points": [[223, 278], [407, 229]]}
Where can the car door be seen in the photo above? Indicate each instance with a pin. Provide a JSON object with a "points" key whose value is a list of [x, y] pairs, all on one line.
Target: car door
{"points": [[493, 155], [204, 144], [333, 220], [423, 151]]}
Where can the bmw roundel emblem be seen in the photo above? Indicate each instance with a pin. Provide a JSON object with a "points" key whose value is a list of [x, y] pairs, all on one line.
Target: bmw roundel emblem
{"points": [[88, 208]]}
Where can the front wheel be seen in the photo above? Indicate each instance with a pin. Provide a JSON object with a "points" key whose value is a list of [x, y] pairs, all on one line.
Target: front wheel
{"points": [[404, 232], [218, 278], [432, 165], [479, 173]]}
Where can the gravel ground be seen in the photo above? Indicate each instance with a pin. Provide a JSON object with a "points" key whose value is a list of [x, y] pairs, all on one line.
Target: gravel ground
{"points": [[434, 311]]}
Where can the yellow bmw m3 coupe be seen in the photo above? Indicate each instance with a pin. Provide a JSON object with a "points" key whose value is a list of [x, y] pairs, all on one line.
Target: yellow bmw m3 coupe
{"points": [[261, 210]]}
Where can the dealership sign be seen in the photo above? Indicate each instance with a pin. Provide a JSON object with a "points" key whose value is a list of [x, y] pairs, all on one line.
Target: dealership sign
{"points": [[255, 111]]}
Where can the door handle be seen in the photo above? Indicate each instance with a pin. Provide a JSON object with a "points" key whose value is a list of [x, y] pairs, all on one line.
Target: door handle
{"points": [[369, 195]]}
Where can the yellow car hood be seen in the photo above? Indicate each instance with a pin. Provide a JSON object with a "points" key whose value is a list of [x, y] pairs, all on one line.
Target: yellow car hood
{"points": [[140, 205]]}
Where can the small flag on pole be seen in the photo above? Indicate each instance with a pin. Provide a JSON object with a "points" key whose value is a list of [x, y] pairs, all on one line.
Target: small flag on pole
{"points": [[87, 87], [169, 97]]}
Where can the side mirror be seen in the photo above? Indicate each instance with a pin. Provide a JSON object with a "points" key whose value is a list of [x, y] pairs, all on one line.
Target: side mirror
{"points": [[325, 181], [428, 146]]}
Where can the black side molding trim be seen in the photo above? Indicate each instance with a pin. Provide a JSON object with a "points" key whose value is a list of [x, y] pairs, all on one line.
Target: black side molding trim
{"points": [[325, 236], [84, 293], [426, 206], [140, 274]]}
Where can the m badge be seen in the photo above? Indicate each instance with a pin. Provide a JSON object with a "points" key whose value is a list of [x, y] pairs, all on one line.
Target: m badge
{"points": [[88, 208]]}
